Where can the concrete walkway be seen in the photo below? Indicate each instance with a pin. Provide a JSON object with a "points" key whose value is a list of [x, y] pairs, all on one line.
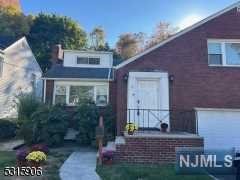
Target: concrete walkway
{"points": [[80, 166]]}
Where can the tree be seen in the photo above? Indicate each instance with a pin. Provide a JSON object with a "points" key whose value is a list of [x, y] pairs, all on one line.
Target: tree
{"points": [[97, 38], [48, 30], [13, 24], [162, 31], [14, 5], [129, 44]]}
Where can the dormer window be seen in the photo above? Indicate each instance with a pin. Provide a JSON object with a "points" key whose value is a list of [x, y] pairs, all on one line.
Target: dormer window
{"points": [[224, 52], [88, 60]]}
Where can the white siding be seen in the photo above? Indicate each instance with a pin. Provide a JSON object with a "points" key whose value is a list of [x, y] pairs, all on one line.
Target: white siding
{"points": [[70, 58], [18, 69]]}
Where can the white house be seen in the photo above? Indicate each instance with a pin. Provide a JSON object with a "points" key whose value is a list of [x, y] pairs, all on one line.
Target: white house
{"points": [[19, 73]]}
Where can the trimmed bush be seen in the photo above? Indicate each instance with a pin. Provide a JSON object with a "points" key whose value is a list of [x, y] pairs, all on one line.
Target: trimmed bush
{"points": [[109, 120], [50, 124], [87, 116], [7, 129]]}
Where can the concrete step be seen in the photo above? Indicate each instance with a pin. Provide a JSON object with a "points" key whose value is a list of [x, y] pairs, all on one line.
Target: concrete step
{"points": [[71, 134]]}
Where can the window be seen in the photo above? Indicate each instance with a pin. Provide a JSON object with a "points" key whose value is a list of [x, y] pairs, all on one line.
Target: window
{"points": [[101, 96], [233, 53], [214, 53], [224, 53], [78, 93], [94, 60], [88, 60], [73, 94], [33, 83], [82, 60], [1, 66], [60, 95]]}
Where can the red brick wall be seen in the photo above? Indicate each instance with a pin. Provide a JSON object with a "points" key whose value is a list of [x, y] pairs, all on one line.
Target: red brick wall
{"points": [[49, 91], [195, 83], [152, 150]]}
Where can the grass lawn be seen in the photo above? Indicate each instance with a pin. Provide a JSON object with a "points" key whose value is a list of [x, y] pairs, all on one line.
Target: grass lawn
{"points": [[144, 172], [55, 159], [7, 159]]}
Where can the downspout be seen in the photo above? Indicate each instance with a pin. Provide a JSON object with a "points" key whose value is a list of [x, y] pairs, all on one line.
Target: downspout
{"points": [[109, 73]]}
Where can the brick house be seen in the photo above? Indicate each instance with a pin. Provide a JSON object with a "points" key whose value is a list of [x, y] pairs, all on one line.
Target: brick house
{"points": [[190, 81]]}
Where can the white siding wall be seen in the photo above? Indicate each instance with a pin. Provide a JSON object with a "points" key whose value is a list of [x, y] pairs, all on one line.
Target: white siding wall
{"points": [[18, 69], [70, 58]]}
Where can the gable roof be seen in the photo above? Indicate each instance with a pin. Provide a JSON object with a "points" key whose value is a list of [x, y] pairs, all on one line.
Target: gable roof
{"points": [[6, 41], [16, 45], [180, 33]]}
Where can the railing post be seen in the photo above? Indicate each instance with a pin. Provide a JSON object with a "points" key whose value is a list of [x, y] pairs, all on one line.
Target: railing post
{"points": [[99, 136]]}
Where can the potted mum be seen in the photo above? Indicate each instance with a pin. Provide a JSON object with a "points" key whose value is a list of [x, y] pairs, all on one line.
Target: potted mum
{"points": [[36, 158], [21, 156], [131, 128], [107, 157]]}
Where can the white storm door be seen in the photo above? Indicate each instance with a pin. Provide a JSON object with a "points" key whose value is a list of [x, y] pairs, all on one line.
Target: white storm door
{"points": [[148, 103]]}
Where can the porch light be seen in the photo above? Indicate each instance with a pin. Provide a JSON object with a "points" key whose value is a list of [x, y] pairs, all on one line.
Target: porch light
{"points": [[125, 77], [171, 78]]}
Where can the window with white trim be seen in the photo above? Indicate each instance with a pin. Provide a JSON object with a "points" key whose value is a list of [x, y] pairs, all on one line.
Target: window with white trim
{"points": [[74, 94], [78, 93], [224, 53], [101, 95], [88, 60], [60, 94]]}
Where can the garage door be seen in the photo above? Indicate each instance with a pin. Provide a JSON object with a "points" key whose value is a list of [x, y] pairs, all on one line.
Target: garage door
{"points": [[220, 128]]}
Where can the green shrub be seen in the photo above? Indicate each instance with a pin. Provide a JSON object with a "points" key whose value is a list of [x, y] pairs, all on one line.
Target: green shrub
{"points": [[50, 124], [27, 104], [86, 115], [109, 120], [7, 129]]}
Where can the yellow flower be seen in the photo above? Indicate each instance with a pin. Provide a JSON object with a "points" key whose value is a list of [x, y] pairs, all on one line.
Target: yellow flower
{"points": [[36, 156], [131, 127]]}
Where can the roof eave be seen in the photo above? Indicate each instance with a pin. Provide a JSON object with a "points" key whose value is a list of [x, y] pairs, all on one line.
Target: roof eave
{"points": [[82, 79]]}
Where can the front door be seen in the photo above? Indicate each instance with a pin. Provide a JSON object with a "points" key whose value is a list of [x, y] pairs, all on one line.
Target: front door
{"points": [[148, 99], [148, 103]]}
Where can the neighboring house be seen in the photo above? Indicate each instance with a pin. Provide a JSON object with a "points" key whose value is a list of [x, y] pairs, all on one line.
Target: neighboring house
{"points": [[19, 73], [190, 81]]}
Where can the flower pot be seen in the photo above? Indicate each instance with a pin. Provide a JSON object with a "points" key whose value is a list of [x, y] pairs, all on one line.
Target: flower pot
{"points": [[34, 164], [164, 127], [108, 162], [130, 132], [21, 163]]}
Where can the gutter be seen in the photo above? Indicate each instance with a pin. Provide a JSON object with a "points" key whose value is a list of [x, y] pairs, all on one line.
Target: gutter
{"points": [[109, 73], [77, 79]]}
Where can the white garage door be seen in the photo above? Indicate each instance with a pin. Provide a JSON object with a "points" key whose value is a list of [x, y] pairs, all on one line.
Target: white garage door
{"points": [[220, 128]]}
